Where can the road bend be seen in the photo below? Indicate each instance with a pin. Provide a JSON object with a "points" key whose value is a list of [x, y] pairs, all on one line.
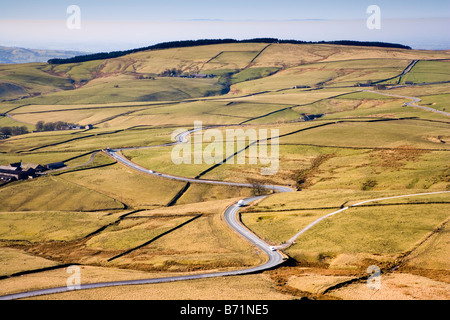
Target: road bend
{"points": [[291, 241], [275, 257], [413, 103]]}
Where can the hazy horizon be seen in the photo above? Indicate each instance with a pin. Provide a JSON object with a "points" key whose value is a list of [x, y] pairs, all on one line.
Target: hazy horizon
{"points": [[111, 25]]}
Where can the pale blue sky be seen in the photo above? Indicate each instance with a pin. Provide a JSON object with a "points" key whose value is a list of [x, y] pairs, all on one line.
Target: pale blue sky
{"points": [[225, 10], [117, 25]]}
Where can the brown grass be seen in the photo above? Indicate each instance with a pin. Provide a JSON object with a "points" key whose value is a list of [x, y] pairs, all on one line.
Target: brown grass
{"points": [[305, 176], [397, 286], [226, 288], [208, 242], [397, 157]]}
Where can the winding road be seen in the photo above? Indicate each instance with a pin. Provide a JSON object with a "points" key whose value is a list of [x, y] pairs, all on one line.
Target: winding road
{"points": [[412, 103], [275, 257]]}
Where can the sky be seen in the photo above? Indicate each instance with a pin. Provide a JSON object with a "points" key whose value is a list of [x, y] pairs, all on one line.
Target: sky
{"points": [[120, 25]]}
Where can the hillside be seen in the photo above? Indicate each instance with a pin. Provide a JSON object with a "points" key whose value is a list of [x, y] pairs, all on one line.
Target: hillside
{"points": [[228, 64], [205, 42], [22, 55], [362, 141]]}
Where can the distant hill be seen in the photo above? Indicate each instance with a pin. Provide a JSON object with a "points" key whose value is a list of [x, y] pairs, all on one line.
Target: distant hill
{"points": [[22, 55], [202, 42]]}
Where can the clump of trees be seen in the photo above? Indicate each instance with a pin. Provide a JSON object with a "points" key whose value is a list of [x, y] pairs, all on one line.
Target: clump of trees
{"points": [[9, 131], [52, 126], [6, 132], [171, 73]]}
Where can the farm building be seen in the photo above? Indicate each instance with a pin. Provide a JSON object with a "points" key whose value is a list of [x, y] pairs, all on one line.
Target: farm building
{"points": [[15, 172], [55, 165]]}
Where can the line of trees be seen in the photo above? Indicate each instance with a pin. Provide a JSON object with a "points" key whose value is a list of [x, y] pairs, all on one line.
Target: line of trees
{"points": [[202, 42], [52, 126], [6, 132], [9, 131]]}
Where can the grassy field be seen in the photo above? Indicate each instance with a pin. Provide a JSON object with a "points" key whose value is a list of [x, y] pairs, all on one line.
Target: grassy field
{"points": [[384, 229], [53, 193], [75, 71], [14, 260], [333, 74], [428, 71], [81, 117], [79, 141], [118, 223], [132, 188], [386, 233], [438, 102], [9, 122], [126, 88], [206, 289], [45, 226], [28, 80], [208, 243]]}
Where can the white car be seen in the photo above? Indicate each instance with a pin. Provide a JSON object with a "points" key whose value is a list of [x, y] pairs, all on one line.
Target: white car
{"points": [[241, 203], [272, 248], [151, 171]]}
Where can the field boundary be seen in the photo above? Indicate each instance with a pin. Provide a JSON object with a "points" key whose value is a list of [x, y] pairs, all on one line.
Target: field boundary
{"points": [[155, 238]]}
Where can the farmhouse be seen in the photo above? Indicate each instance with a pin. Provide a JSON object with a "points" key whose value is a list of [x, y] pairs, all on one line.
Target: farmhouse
{"points": [[15, 172], [78, 127]]}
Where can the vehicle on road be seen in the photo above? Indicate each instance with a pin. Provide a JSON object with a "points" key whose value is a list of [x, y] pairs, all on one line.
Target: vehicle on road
{"points": [[241, 203]]}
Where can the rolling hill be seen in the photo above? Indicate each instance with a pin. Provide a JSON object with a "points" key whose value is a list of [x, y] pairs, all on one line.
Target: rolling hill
{"points": [[22, 55], [352, 124]]}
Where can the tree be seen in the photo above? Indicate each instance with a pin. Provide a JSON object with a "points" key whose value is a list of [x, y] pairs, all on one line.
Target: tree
{"points": [[49, 126], [40, 126], [258, 188], [52, 126], [60, 125], [13, 131], [19, 130], [6, 131]]}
